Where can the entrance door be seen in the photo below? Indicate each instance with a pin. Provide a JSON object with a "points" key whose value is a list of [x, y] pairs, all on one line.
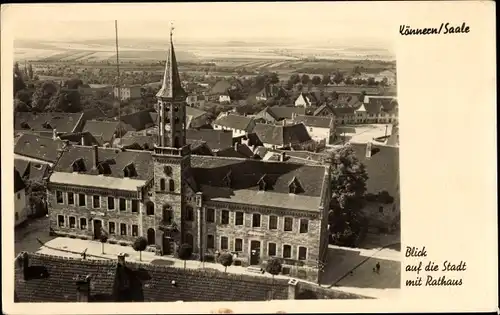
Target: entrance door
{"points": [[254, 252], [97, 229], [167, 246]]}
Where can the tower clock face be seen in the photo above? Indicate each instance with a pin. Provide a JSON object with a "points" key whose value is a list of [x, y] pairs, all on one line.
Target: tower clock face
{"points": [[167, 127]]}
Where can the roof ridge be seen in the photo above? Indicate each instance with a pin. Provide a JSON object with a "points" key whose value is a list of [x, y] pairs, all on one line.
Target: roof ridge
{"points": [[97, 262]]}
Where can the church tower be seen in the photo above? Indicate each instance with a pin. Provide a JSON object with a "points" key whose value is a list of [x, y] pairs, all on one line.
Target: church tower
{"points": [[171, 159]]}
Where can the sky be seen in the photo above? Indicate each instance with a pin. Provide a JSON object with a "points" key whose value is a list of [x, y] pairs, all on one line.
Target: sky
{"points": [[319, 22]]}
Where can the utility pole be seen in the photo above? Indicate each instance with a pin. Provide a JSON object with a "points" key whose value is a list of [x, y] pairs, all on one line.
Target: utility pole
{"points": [[118, 81], [386, 130]]}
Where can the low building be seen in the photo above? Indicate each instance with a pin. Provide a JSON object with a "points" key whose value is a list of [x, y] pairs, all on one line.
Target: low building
{"points": [[104, 132], [30, 147], [304, 100], [126, 93], [275, 114], [197, 118], [377, 110], [20, 205], [321, 129], [31, 171], [216, 140], [45, 123], [239, 125], [224, 99], [281, 136], [89, 280], [197, 101]]}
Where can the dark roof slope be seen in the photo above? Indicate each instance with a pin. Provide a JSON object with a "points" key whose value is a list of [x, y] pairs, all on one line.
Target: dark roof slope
{"points": [[215, 139], [282, 135], [285, 112], [382, 167], [245, 174], [313, 121], [139, 120], [115, 158], [234, 121], [52, 278], [220, 87], [144, 141], [88, 138], [31, 170], [18, 182], [102, 129], [42, 148], [22, 166], [62, 122]]}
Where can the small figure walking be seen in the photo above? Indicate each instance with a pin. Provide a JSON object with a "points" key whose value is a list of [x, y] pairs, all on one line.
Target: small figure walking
{"points": [[377, 266]]}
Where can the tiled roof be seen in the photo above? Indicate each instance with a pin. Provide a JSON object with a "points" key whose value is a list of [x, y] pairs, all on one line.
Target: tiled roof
{"points": [[52, 279], [18, 181], [321, 108], [234, 121], [102, 129], [313, 121], [42, 148], [215, 139], [31, 170], [382, 167], [246, 173], [139, 120], [195, 112], [285, 112], [220, 87], [242, 151], [65, 178], [62, 122], [144, 141], [343, 111], [282, 135], [76, 138], [116, 159]]}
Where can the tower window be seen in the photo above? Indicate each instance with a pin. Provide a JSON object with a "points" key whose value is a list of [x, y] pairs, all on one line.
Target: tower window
{"points": [[162, 184], [171, 185]]}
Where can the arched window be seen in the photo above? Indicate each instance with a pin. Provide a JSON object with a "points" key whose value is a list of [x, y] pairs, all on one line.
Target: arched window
{"points": [[151, 236], [150, 208], [189, 214], [189, 239], [162, 184], [171, 184], [167, 214]]}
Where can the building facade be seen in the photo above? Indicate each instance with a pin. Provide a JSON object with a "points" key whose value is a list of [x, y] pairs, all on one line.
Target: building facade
{"points": [[127, 92]]}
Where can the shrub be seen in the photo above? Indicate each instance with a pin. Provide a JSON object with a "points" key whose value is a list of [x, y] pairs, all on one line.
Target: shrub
{"points": [[185, 251], [226, 259], [139, 245]]}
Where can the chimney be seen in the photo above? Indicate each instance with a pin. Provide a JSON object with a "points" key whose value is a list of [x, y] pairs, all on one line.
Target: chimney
{"points": [[292, 288], [54, 134], [282, 156], [284, 122], [82, 288], [83, 139], [294, 115], [22, 264], [236, 146], [95, 156], [121, 259]]}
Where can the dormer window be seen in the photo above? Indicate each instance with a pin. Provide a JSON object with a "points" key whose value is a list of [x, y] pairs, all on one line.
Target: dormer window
{"points": [[25, 125], [262, 183], [104, 168], [294, 187], [47, 125], [78, 165], [227, 179], [129, 171]]}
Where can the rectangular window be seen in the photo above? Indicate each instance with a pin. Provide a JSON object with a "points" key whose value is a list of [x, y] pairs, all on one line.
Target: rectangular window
{"points": [[256, 220], [82, 201], [60, 220], [287, 251], [135, 230], [59, 197], [71, 198], [83, 223], [224, 217], [210, 242], [123, 229], [302, 253], [238, 218], [271, 249], [238, 245], [224, 243], [111, 227], [210, 215], [111, 203], [96, 201], [123, 204], [273, 222], [135, 205], [288, 224], [72, 222], [304, 225]]}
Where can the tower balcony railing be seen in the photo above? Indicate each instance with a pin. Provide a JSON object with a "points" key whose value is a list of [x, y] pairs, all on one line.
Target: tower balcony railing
{"points": [[172, 151]]}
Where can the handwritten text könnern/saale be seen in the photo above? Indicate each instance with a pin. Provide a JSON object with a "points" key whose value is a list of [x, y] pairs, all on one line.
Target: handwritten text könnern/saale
{"points": [[444, 28], [445, 273]]}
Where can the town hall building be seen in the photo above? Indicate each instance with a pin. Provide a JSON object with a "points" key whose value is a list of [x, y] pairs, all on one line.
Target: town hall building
{"points": [[251, 208]]}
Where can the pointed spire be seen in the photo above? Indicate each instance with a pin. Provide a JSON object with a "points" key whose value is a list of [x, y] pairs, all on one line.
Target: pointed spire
{"points": [[171, 87]]}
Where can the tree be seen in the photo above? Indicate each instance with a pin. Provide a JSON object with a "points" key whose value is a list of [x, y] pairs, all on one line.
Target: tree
{"points": [[371, 81], [20, 106], [305, 79], [338, 78], [185, 251], [326, 79], [18, 79], [294, 78], [30, 71], [316, 80], [348, 80], [103, 238], [226, 259], [274, 268], [348, 182], [139, 245]]}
